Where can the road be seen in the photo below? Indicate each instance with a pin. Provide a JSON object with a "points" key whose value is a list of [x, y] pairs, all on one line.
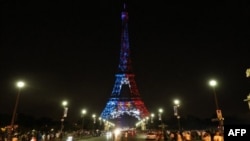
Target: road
{"points": [[138, 137]]}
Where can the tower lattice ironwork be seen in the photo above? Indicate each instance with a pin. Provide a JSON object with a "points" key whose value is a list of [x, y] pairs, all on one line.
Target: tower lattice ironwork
{"points": [[125, 97]]}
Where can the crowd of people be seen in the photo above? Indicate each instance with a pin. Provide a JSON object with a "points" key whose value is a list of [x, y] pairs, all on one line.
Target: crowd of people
{"points": [[162, 135], [192, 135], [35, 135]]}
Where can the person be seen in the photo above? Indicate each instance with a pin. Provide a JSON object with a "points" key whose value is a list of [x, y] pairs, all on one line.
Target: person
{"points": [[160, 136], [15, 138], [179, 137], [172, 136], [187, 136], [33, 138], [206, 137], [126, 136], [217, 137]]}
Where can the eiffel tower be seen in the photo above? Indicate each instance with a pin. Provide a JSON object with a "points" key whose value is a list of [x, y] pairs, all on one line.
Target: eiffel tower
{"points": [[125, 98]]}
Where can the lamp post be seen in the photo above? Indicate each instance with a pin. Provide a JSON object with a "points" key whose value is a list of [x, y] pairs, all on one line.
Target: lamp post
{"points": [[248, 100], [176, 112], [152, 117], [94, 118], [152, 120], [161, 122], [100, 121], [160, 114], [248, 97], [147, 118], [83, 113], [94, 121], [65, 108], [20, 85], [213, 84]]}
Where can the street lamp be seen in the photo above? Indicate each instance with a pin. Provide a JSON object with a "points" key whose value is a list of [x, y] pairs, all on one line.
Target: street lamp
{"points": [[64, 103], [94, 121], [20, 85], [83, 113], [160, 113], [94, 118], [147, 118], [65, 108], [152, 117], [213, 84], [248, 97], [100, 120], [248, 100], [160, 119], [176, 113], [177, 102]]}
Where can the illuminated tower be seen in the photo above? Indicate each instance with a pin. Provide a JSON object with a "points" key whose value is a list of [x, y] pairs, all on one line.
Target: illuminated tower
{"points": [[125, 97]]}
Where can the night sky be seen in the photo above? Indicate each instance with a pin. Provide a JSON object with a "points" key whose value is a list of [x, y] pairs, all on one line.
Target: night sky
{"points": [[70, 50]]}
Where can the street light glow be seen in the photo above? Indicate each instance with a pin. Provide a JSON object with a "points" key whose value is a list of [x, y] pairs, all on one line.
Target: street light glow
{"points": [[160, 110], [152, 115], [20, 84], [65, 103], [176, 102], [212, 83], [84, 111]]}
